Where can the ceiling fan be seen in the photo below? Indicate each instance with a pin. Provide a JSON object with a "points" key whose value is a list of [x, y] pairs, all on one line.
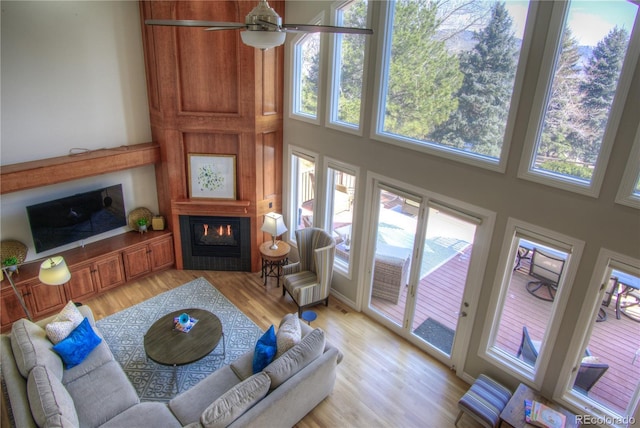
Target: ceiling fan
{"points": [[263, 27]]}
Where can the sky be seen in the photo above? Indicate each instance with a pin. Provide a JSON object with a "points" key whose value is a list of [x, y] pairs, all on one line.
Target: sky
{"points": [[590, 20]]}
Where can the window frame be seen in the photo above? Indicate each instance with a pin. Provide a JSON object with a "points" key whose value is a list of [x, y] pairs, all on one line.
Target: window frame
{"points": [[563, 392], [335, 63], [552, 48], [295, 101], [382, 69], [292, 187], [334, 164], [517, 229], [626, 193]]}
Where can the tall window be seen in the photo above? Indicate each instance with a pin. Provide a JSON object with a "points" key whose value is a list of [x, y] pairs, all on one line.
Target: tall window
{"points": [[346, 93], [341, 190], [629, 192], [449, 76], [306, 76], [604, 375], [303, 192], [539, 267], [572, 139]]}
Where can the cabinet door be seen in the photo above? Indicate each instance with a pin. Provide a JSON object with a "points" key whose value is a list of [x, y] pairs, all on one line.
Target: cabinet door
{"points": [[161, 254], [46, 298], [10, 307], [109, 272], [81, 285], [136, 261]]}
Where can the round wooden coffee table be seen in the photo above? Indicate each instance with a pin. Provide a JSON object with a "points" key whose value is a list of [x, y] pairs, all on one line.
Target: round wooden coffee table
{"points": [[170, 347]]}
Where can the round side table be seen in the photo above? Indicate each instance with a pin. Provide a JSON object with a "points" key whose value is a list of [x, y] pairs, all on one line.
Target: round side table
{"points": [[273, 260]]}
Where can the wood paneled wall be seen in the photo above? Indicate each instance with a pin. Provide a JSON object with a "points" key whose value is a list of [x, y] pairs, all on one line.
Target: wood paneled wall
{"points": [[210, 93]]}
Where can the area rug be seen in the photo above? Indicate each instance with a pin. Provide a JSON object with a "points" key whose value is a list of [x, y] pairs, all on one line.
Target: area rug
{"points": [[436, 334], [124, 332]]}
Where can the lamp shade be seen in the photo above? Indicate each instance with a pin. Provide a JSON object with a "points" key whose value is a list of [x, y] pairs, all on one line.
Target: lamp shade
{"points": [[263, 39], [274, 224], [54, 271]]}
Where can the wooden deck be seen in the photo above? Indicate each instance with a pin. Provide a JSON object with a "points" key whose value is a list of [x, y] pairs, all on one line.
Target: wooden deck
{"points": [[614, 341]]}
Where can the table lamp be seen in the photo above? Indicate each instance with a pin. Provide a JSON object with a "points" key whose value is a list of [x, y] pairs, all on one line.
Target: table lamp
{"points": [[53, 271], [273, 225]]}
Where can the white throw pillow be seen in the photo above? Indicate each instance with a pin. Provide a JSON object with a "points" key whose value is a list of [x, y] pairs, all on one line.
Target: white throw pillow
{"points": [[64, 323], [288, 335]]}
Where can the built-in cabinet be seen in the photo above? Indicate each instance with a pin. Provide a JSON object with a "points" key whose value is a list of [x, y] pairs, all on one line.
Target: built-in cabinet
{"points": [[94, 269]]}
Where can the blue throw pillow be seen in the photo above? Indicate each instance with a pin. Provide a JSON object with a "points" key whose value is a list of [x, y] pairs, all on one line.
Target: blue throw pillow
{"points": [[78, 345], [265, 350]]}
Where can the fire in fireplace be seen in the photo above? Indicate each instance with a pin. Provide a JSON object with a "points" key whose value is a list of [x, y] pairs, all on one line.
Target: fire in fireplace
{"points": [[216, 243], [215, 237]]}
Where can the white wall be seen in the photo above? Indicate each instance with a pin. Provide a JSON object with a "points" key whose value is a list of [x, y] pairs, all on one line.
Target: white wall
{"points": [[72, 77]]}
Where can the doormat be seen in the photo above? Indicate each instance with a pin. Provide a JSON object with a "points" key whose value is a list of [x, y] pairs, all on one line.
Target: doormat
{"points": [[124, 333], [436, 334]]}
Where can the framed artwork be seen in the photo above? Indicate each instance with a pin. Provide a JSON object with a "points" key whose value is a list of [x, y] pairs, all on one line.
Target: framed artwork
{"points": [[212, 176]]}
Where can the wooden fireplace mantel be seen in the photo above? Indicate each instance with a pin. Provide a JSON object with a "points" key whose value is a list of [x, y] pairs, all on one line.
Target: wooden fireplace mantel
{"points": [[206, 207]]}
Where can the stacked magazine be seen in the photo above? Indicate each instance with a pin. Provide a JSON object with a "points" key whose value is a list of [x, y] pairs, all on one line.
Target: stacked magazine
{"points": [[540, 415], [185, 328]]}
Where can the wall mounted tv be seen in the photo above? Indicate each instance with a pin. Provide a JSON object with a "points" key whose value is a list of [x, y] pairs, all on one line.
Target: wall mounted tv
{"points": [[75, 218]]}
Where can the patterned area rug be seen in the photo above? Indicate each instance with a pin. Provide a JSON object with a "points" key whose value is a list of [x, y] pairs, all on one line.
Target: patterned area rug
{"points": [[124, 332]]}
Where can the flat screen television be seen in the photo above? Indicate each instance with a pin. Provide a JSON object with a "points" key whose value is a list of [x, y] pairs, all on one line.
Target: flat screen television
{"points": [[75, 218]]}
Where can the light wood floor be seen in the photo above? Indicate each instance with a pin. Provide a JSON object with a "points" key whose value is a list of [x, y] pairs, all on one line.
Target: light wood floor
{"points": [[383, 381]]}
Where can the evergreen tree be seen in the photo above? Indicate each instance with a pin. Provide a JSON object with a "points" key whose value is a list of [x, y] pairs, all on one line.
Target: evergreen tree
{"points": [[310, 74], [560, 134], [423, 77], [350, 96], [489, 71], [599, 87]]}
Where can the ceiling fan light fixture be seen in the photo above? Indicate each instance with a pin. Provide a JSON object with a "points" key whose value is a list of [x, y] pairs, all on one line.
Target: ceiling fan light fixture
{"points": [[263, 39]]}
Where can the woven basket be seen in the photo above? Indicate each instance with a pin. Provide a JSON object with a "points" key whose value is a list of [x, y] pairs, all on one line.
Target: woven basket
{"points": [[137, 214], [12, 248]]}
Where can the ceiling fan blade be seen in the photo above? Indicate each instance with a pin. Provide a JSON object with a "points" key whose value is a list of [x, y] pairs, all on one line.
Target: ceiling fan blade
{"points": [[211, 25], [304, 28]]}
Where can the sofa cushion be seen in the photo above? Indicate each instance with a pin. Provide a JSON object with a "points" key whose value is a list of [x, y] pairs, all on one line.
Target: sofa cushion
{"points": [[78, 345], [31, 347], [243, 365], [102, 394], [296, 358], [189, 405], [147, 414], [64, 323], [288, 335], [236, 401], [264, 350], [51, 404]]}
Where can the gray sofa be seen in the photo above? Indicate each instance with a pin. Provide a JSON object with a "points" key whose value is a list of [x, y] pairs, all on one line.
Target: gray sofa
{"points": [[98, 393]]}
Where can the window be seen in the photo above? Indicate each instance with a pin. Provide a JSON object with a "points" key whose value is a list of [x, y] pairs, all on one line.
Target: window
{"points": [[306, 76], [604, 375], [303, 192], [629, 193], [539, 267], [579, 99], [449, 77], [341, 190], [349, 52]]}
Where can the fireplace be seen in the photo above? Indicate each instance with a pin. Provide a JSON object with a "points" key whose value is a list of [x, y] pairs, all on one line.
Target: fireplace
{"points": [[216, 243]]}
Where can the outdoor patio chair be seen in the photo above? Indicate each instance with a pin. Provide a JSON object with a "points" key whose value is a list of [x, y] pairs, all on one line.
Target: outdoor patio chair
{"points": [[546, 269], [528, 350], [588, 375], [309, 280]]}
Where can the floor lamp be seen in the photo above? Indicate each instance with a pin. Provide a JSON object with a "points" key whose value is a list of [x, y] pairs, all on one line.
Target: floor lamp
{"points": [[53, 271]]}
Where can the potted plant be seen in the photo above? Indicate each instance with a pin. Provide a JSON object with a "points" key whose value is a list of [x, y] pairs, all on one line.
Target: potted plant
{"points": [[11, 263], [142, 225]]}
